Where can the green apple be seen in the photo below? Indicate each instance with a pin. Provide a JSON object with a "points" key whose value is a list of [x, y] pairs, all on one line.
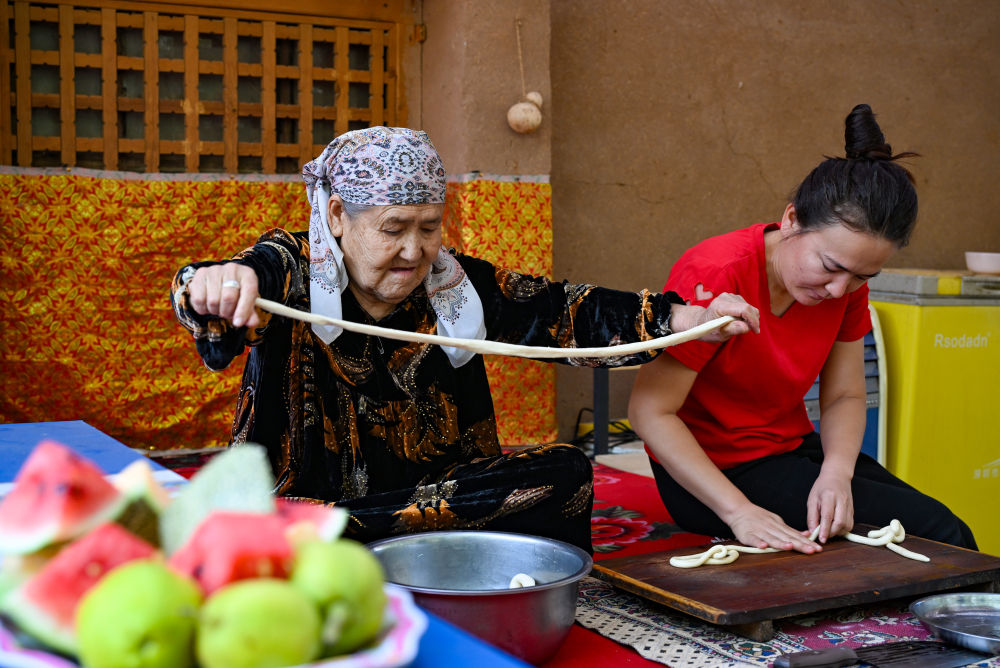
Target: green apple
{"points": [[139, 615], [258, 623], [347, 583]]}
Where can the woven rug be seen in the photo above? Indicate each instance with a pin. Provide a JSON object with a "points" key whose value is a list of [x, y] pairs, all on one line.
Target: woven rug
{"points": [[629, 519]]}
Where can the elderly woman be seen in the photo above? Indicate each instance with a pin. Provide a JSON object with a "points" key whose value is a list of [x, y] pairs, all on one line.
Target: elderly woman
{"points": [[403, 434]]}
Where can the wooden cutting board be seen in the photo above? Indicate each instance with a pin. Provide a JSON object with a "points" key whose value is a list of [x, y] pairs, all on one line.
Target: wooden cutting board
{"points": [[750, 593]]}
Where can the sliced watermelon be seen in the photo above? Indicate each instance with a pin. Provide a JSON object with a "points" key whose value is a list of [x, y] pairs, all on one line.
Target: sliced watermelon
{"points": [[229, 546], [57, 495], [44, 606], [237, 480], [311, 519], [16, 569]]}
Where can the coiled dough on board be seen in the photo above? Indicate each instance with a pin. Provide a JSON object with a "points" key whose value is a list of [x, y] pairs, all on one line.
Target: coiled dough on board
{"points": [[719, 555]]}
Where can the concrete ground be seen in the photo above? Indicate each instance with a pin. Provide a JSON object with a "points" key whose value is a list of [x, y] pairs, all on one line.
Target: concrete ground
{"points": [[627, 457]]}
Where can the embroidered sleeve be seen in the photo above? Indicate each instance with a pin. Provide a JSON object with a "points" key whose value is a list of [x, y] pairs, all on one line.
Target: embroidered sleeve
{"points": [[278, 259], [535, 311]]}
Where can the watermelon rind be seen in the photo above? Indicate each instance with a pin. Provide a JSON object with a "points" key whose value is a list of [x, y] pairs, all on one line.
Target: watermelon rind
{"points": [[57, 496], [239, 479], [44, 605], [48, 533], [16, 569], [39, 626], [144, 500], [138, 481]]}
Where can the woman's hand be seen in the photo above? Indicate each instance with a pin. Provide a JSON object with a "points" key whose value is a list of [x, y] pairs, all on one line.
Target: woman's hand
{"points": [[684, 317], [226, 290], [830, 505], [758, 527], [842, 397]]}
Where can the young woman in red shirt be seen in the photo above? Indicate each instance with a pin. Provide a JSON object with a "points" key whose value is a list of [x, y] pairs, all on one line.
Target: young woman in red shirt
{"points": [[732, 449]]}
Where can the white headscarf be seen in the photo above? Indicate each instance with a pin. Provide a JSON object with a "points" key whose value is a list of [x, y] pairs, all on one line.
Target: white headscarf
{"points": [[383, 166]]}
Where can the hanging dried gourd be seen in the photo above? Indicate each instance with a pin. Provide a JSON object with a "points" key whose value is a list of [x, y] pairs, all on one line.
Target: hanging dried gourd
{"points": [[526, 115]]}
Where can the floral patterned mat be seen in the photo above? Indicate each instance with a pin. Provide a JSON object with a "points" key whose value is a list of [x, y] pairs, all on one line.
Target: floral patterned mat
{"points": [[629, 519], [674, 639]]}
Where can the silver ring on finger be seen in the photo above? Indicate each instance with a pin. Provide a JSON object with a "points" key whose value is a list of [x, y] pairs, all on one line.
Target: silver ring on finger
{"points": [[231, 284]]}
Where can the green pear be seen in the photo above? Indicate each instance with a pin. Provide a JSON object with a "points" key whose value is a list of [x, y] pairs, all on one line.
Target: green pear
{"points": [[257, 623], [139, 615], [347, 583]]}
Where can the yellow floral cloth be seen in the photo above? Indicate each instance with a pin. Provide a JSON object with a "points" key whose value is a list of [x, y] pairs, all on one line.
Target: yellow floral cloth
{"points": [[510, 223], [86, 327]]}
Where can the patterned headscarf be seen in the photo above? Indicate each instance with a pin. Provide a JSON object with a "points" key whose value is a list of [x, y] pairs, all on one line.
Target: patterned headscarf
{"points": [[374, 167], [380, 166]]}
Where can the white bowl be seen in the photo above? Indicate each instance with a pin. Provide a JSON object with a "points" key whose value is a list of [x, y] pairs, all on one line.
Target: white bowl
{"points": [[983, 263]]}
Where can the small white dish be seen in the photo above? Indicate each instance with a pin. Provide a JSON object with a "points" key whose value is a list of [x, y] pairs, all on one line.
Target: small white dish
{"points": [[983, 263]]}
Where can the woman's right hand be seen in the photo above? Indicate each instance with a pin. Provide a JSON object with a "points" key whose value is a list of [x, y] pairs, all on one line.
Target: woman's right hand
{"points": [[687, 316], [758, 527], [226, 290]]}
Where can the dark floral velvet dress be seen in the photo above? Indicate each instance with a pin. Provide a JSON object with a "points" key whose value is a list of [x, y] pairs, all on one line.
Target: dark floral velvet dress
{"points": [[391, 430]]}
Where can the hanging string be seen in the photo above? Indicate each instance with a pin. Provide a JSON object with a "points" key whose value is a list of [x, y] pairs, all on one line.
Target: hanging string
{"points": [[520, 58]]}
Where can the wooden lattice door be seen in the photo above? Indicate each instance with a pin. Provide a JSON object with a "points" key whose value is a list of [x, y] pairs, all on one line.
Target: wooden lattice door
{"points": [[172, 87]]}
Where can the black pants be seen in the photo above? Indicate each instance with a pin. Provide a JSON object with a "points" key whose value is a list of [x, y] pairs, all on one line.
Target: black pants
{"points": [[542, 491], [781, 484]]}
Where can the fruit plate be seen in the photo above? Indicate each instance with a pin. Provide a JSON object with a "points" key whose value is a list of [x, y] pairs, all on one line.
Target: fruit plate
{"points": [[397, 645]]}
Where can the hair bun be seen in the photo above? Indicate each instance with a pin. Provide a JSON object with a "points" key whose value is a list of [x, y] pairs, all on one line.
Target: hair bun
{"points": [[863, 137]]}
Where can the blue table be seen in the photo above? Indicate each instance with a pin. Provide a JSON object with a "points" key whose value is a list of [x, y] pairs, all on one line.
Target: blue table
{"points": [[18, 440], [441, 645]]}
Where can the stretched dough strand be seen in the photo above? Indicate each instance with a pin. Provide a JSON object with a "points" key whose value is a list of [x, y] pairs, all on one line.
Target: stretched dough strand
{"points": [[718, 555], [483, 347]]}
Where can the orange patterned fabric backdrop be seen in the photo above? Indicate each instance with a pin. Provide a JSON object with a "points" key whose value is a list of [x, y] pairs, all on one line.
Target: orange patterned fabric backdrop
{"points": [[88, 332], [509, 223], [86, 327]]}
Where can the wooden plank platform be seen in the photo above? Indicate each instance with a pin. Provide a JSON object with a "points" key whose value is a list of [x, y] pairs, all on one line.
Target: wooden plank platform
{"points": [[749, 594]]}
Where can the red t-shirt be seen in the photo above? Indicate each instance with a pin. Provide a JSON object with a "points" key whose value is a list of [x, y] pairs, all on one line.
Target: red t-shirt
{"points": [[747, 401]]}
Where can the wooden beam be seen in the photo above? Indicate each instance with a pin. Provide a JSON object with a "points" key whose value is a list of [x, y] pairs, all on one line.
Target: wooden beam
{"points": [[305, 94], [230, 100], [109, 87], [394, 115], [191, 93], [341, 63], [268, 98], [151, 90], [6, 130], [376, 100], [384, 10], [22, 85], [67, 87], [351, 12]]}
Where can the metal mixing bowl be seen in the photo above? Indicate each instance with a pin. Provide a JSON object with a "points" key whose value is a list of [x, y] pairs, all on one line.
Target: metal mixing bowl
{"points": [[464, 577], [967, 619]]}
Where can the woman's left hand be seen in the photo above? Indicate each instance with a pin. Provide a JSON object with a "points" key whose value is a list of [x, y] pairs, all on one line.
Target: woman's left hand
{"points": [[830, 506]]}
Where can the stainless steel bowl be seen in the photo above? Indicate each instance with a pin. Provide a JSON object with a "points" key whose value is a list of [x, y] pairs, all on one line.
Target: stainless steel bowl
{"points": [[969, 620], [464, 577]]}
